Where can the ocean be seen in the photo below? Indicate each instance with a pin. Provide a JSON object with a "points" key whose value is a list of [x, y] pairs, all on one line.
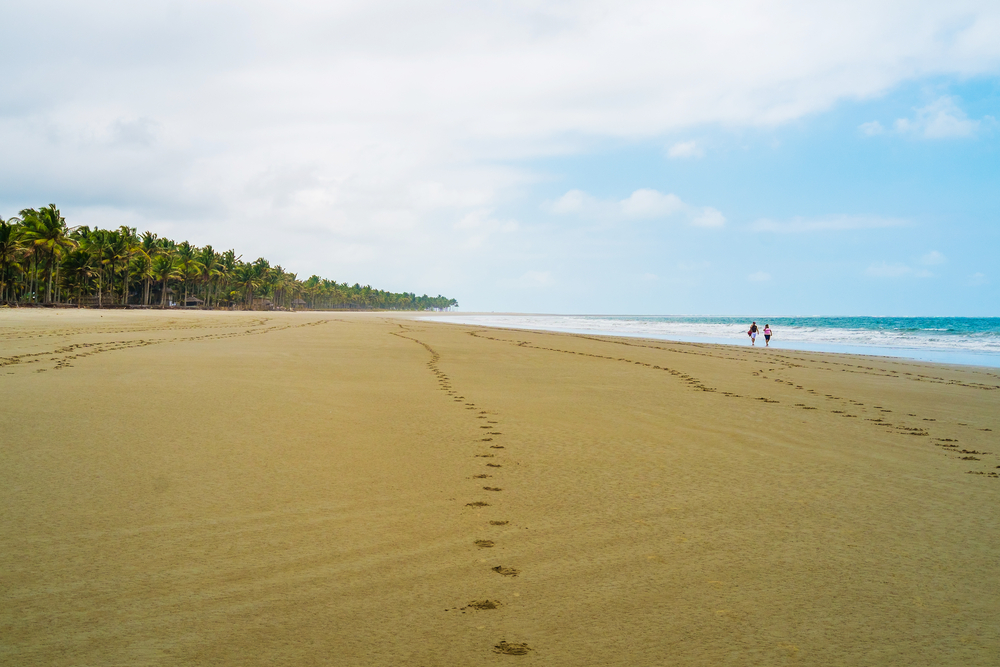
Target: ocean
{"points": [[954, 340]]}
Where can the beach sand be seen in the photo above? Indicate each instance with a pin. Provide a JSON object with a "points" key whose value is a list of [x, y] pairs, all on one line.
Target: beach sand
{"points": [[189, 488]]}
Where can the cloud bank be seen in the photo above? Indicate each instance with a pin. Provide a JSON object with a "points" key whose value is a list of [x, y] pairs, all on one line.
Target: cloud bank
{"points": [[643, 204], [354, 136]]}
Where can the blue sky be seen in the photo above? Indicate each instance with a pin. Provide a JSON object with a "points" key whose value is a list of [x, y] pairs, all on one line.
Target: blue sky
{"points": [[772, 158], [895, 223]]}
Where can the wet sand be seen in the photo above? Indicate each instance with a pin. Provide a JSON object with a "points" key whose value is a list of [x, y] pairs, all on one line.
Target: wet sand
{"points": [[337, 489]]}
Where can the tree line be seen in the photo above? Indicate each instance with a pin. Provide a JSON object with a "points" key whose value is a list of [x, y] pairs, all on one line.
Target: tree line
{"points": [[44, 260]]}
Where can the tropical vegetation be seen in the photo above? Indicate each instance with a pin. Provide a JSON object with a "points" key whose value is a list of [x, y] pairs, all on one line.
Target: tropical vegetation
{"points": [[45, 261]]}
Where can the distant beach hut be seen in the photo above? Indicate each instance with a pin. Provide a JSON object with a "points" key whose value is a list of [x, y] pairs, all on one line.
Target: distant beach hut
{"points": [[192, 301], [298, 303]]}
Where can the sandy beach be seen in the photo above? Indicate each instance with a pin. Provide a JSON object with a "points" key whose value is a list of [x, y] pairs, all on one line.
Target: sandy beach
{"points": [[188, 488]]}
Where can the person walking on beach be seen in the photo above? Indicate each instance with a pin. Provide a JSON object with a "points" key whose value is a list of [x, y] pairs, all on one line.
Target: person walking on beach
{"points": [[753, 333], [767, 335]]}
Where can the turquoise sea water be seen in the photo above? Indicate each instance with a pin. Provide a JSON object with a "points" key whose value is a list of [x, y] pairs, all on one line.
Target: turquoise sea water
{"points": [[959, 340]]}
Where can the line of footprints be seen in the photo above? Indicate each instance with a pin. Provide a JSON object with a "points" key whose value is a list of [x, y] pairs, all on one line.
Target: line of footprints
{"points": [[62, 356], [949, 445], [489, 437]]}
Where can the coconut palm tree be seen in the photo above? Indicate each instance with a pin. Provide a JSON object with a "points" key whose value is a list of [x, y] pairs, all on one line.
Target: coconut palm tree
{"points": [[210, 264], [93, 242], [77, 268], [228, 261], [45, 230], [247, 277], [140, 268], [187, 261], [148, 248], [165, 267], [116, 252], [130, 239], [11, 250]]}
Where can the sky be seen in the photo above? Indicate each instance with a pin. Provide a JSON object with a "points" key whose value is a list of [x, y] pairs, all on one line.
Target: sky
{"points": [[714, 158]]}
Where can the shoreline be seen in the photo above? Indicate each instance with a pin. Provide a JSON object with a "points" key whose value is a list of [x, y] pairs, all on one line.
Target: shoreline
{"points": [[936, 356]]}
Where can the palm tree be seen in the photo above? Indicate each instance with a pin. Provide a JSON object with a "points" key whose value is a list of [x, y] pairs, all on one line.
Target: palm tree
{"points": [[210, 269], [149, 247], [78, 267], [47, 233], [247, 278], [228, 262], [164, 268], [116, 252], [140, 267], [93, 242], [11, 249], [131, 241], [187, 260]]}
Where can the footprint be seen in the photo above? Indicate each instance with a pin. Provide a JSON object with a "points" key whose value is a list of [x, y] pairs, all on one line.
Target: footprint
{"points": [[509, 648], [478, 503], [492, 488], [484, 544], [482, 476], [506, 571], [504, 523], [493, 465], [484, 604]]}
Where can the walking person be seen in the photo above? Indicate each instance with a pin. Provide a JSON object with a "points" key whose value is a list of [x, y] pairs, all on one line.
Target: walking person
{"points": [[753, 333], [767, 335]]}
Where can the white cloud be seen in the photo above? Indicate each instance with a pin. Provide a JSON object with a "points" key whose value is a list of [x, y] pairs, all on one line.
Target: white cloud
{"points": [[826, 223], [685, 149], [574, 201], [896, 270], [708, 217], [932, 258], [978, 278], [643, 204], [941, 119], [759, 277], [355, 133], [872, 128]]}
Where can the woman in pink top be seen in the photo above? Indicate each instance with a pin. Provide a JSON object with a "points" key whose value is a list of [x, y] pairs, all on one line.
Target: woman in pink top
{"points": [[767, 335]]}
